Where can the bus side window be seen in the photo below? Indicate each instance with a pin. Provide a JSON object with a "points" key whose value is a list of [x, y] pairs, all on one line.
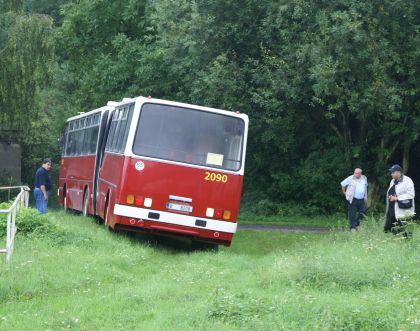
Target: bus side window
{"points": [[114, 146], [124, 127], [79, 141], [93, 139], [86, 140], [120, 131], [128, 124], [111, 134], [63, 140], [70, 144]]}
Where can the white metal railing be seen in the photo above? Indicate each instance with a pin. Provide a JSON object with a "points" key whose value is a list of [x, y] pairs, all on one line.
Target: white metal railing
{"points": [[22, 199]]}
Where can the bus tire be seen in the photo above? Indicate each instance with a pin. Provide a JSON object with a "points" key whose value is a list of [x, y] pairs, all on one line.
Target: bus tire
{"points": [[106, 217], [85, 203], [66, 209]]}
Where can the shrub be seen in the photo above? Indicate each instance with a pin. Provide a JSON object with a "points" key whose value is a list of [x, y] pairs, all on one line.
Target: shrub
{"points": [[405, 227], [297, 209], [3, 224], [28, 220], [31, 224], [267, 207]]}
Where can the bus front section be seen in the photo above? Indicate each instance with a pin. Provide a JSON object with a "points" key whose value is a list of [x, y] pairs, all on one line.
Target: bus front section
{"points": [[183, 172]]}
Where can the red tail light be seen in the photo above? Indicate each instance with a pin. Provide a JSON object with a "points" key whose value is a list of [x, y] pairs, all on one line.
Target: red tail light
{"points": [[218, 213], [139, 201]]}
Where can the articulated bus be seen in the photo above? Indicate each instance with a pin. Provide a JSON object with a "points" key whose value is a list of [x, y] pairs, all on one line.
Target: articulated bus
{"points": [[146, 164]]}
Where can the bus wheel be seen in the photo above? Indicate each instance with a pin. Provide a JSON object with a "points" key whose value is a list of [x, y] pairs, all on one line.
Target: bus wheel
{"points": [[85, 204], [66, 210]]}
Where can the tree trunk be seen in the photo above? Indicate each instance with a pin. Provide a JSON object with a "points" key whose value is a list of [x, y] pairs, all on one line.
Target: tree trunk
{"points": [[374, 195]]}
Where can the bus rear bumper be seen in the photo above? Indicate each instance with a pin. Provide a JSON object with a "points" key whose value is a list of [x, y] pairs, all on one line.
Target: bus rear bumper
{"points": [[177, 224]]}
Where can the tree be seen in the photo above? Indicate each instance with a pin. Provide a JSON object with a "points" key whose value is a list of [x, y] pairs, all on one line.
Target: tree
{"points": [[328, 85], [25, 57], [351, 69]]}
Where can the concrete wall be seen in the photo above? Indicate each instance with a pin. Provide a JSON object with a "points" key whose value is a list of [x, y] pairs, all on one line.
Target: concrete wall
{"points": [[10, 161]]}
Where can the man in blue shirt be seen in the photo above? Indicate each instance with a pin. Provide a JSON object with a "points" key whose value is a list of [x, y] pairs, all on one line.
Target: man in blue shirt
{"points": [[42, 186], [354, 188]]}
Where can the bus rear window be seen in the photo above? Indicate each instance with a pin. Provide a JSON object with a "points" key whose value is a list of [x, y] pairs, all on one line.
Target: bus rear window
{"points": [[190, 136]]}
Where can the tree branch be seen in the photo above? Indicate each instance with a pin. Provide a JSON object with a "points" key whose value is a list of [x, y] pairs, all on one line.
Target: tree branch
{"points": [[2, 50]]}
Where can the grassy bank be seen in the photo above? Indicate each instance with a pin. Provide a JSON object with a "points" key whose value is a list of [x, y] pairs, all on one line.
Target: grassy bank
{"points": [[331, 221], [75, 275]]}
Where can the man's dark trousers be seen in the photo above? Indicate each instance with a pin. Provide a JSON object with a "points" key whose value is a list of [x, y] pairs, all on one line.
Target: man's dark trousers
{"points": [[357, 210]]}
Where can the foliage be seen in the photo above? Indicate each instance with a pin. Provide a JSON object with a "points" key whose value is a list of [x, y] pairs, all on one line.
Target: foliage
{"points": [[28, 221], [405, 227], [45, 7], [26, 62], [268, 208], [25, 57], [328, 85]]}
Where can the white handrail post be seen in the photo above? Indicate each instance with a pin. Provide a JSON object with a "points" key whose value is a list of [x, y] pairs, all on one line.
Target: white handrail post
{"points": [[26, 198], [8, 237], [22, 199], [12, 232]]}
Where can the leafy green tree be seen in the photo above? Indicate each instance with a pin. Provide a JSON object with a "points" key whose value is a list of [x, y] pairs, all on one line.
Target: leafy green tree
{"points": [[328, 85], [25, 57], [101, 45], [46, 7], [351, 69]]}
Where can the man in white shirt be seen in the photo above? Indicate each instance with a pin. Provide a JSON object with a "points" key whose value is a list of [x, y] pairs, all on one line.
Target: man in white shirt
{"points": [[354, 188], [400, 198]]}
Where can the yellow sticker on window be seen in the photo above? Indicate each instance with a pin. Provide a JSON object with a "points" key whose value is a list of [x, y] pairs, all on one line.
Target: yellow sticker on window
{"points": [[214, 159]]}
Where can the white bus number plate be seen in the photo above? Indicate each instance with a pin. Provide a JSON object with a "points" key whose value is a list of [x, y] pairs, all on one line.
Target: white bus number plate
{"points": [[175, 206]]}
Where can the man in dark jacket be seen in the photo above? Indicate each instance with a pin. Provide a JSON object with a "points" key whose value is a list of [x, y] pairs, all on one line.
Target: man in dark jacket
{"points": [[42, 186]]}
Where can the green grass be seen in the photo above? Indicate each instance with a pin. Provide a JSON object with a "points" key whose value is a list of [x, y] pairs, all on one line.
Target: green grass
{"points": [[79, 276], [333, 221]]}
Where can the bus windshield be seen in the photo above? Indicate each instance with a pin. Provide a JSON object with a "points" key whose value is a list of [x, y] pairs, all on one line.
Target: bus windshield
{"points": [[190, 136]]}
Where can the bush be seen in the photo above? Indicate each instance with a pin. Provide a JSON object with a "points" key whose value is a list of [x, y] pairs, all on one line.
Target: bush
{"points": [[405, 227], [31, 224], [3, 224], [267, 207], [296, 209], [264, 207], [28, 220]]}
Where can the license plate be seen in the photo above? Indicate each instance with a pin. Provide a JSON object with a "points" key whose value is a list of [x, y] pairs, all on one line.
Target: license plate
{"points": [[175, 206]]}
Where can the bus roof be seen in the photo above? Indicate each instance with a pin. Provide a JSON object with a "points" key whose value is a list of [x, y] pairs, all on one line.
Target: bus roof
{"points": [[187, 105], [113, 104], [98, 110]]}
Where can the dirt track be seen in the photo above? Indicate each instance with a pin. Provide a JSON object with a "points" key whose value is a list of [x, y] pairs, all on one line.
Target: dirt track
{"points": [[281, 228]]}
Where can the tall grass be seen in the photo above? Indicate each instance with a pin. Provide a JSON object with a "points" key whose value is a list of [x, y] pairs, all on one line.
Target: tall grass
{"points": [[76, 275]]}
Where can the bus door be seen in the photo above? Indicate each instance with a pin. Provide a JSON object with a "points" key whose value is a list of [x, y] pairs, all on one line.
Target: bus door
{"points": [[103, 133]]}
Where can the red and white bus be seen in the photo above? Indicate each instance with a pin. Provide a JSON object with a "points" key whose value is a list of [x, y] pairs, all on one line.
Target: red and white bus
{"points": [[148, 164]]}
